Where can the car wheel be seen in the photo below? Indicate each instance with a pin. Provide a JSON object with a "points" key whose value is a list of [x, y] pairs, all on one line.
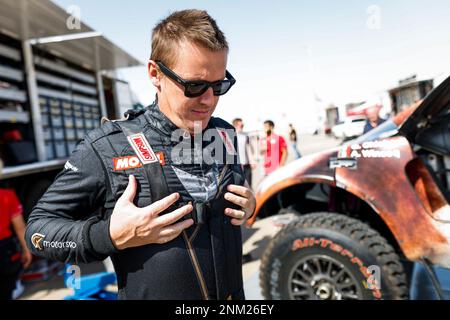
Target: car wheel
{"points": [[329, 256]]}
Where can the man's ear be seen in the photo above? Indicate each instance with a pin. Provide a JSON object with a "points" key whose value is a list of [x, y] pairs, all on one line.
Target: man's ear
{"points": [[153, 73]]}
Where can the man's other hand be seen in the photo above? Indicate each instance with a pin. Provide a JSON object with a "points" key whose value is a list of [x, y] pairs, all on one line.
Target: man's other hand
{"points": [[244, 198]]}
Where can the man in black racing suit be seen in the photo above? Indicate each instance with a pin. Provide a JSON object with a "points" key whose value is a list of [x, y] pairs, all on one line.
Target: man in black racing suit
{"points": [[162, 192]]}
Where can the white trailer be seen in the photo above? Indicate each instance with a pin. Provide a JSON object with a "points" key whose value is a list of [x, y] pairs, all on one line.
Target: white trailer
{"points": [[55, 86]]}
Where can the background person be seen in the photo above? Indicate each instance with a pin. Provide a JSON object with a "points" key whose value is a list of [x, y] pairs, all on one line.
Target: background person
{"points": [[245, 150], [373, 119], [14, 254], [293, 141], [273, 147]]}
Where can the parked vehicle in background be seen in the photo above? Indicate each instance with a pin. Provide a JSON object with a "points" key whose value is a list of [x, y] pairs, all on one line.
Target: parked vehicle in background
{"points": [[365, 211], [350, 127]]}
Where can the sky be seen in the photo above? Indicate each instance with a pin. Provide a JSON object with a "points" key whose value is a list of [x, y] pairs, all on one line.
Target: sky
{"points": [[283, 54]]}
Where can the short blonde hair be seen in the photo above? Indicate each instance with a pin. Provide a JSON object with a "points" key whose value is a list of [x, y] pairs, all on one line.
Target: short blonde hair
{"points": [[192, 25]]}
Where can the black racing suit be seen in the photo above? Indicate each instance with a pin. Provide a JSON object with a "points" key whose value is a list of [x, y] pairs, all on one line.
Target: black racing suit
{"points": [[70, 222]]}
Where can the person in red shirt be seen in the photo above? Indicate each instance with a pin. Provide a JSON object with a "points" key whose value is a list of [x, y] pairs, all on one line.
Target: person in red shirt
{"points": [[11, 260], [274, 149]]}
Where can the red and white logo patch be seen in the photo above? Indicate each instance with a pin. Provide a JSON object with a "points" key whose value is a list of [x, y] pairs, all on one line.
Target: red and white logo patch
{"points": [[131, 162], [125, 163], [142, 148], [227, 141]]}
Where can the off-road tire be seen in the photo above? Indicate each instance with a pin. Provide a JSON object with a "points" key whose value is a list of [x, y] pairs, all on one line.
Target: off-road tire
{"points": [[336, 240]]}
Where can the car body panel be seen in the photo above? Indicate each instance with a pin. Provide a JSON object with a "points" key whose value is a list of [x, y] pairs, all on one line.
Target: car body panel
{"points": [[410, 213], [311, 168]]}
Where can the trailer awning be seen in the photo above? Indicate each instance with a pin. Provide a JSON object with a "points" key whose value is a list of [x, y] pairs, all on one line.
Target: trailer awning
{"points": [[30, 19]]}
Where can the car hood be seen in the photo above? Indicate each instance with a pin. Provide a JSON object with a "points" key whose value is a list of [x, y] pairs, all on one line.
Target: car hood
{"points": [[435, 105]]}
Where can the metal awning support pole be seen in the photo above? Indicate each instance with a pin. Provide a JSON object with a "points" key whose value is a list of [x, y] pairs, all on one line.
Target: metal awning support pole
{"points": [[34, 100], [100, 89], [116, 95], [101, 94]]}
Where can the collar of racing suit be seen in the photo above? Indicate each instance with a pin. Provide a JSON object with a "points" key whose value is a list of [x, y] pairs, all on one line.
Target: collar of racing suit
{"points": [[159, 120]]}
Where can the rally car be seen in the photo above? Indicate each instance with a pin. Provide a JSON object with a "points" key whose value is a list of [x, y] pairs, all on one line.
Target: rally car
{"points": [[365, 211]]}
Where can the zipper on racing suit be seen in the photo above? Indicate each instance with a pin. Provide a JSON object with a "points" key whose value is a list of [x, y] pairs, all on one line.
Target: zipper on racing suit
{"points": [[191, 251]]}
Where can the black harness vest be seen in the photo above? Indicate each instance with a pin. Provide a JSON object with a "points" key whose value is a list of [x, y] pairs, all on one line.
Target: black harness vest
{"points": [[206, 261]]}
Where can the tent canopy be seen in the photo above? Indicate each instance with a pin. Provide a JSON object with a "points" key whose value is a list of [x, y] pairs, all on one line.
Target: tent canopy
{"points": [[30, 19]]}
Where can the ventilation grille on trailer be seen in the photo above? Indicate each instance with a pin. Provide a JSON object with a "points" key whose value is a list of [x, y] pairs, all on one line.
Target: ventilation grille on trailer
{"points": [[68, 100]]}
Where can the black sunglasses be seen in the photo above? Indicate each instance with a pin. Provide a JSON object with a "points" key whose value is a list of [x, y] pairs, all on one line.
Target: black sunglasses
{"points": [[196, 88]]}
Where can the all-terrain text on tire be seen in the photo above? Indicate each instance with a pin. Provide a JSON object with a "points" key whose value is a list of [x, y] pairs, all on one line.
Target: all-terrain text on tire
{"points": [[329, 256]]}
